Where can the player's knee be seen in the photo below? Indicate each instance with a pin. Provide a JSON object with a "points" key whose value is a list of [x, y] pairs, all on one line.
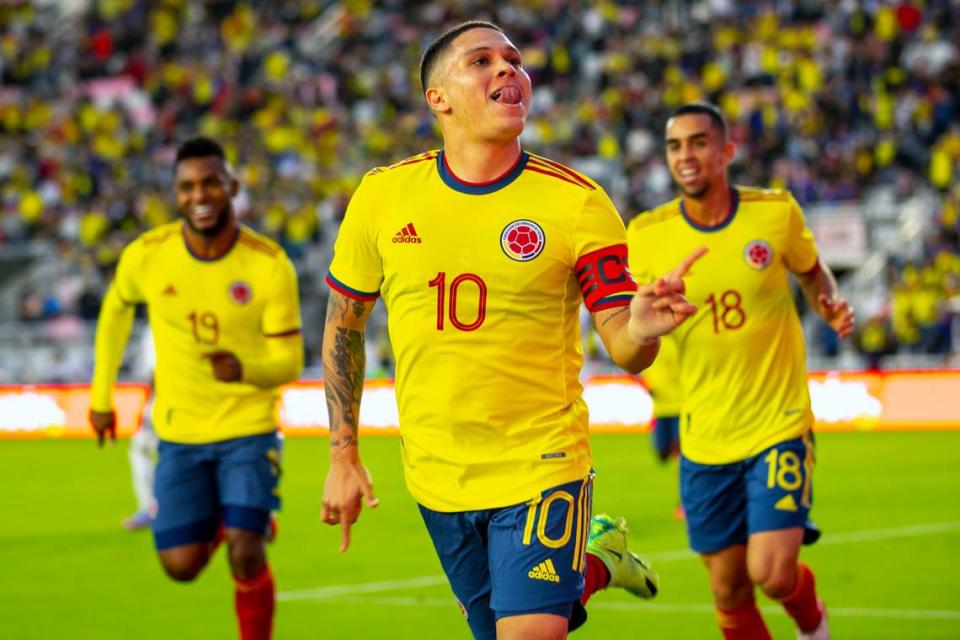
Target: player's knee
{"points": [[247, 557], [777, 585], [731, 593], [774, 576], [182, 571]]}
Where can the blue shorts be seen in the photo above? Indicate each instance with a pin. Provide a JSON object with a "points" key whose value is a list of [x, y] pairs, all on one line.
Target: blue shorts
{"points": [[725, 503], [517, 560], [198, 486], [666, 436]]}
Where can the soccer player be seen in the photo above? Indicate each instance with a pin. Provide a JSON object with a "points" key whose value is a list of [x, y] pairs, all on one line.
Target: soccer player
{"points": [[745, 430], [483, 254], [225, 315]]}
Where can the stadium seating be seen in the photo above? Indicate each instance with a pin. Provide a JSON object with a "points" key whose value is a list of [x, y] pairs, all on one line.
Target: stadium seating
{"points": [[852, 106]]}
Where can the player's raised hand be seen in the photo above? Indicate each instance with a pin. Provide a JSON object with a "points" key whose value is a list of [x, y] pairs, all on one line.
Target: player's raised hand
{"points": [[226, 366], [348, 485], [105, 424], [838, 314], [660, 307]]}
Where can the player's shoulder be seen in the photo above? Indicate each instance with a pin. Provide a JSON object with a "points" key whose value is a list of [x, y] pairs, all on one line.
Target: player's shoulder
{"points": [[403, 167], [651, 217], [258, 243], [159, 236], [760, 195], [560, 172]]}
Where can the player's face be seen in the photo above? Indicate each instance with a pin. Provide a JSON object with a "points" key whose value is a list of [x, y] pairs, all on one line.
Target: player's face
{"points": [[485, 86], [204, 188], [697, 154]]}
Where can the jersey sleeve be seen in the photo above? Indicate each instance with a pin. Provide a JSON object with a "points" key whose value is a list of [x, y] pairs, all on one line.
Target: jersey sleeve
{"points": [[600, 255], [800, 249], [357, 267], [126, 282], [281, 314]]}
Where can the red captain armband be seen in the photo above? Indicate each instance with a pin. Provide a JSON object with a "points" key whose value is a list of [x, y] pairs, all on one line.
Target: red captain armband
{"points": [[604, 279]]}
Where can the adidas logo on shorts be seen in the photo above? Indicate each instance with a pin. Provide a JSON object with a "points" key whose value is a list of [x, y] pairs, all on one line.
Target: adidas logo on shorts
{"points": [[544, 571]]}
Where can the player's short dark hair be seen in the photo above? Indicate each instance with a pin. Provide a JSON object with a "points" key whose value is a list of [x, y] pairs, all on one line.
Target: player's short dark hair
{"points": [[705, 108], [199, 147], [442, 43]]}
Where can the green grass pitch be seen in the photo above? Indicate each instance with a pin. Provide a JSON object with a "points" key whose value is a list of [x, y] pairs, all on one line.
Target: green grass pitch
{"points": [[888, 565]]}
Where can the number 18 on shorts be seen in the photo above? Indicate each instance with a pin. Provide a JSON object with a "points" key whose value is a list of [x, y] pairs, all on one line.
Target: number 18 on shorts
{"points": [[725, 503]]}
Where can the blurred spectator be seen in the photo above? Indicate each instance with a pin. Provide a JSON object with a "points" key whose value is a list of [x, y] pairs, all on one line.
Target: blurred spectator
{"points": [[873, 341], [826, 98]]}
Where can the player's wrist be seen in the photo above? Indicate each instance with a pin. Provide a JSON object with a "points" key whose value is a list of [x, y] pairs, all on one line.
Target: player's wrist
{"points": [[640, 338], [344, 454]]}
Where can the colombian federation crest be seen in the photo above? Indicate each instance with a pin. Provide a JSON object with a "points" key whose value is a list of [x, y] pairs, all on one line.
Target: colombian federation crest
{"points": [[758, 254], [240, 292], [522, 240]]}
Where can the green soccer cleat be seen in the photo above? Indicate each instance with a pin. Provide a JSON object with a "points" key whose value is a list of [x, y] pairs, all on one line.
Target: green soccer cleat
{"points": [[608, 541]]}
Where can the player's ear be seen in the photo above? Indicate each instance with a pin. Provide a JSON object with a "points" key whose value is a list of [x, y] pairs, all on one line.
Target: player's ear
{"points": [[437, 100], [729, 151], [234, 187]]}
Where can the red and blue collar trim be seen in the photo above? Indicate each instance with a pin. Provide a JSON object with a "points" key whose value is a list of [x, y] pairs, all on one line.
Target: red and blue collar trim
{"points": [[734, 205], [480, 188]]}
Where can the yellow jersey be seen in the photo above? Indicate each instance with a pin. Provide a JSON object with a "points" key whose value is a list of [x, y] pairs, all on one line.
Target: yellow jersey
{"points": [[483, 284], [235, 303], [742, 362], [663, 380]]}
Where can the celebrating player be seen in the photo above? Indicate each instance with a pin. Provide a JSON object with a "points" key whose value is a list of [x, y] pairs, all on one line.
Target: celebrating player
{"points": [[745, 430], [225, 316], [483, 253]]}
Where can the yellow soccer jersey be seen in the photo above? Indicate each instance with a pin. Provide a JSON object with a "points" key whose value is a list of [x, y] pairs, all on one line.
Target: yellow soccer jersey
{"points": [[483, 285], [235, 303], [663, 380], [742, 360]]}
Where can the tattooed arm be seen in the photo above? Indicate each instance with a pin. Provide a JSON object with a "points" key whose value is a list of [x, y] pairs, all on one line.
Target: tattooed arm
{"points": [[344, 361]]}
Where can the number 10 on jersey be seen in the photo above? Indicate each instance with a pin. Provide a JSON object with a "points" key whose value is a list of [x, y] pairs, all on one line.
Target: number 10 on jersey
{"points": [[451, 310]]}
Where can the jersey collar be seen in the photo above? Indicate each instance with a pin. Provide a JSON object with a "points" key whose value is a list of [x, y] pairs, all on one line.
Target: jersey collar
{"points": [[479, 188], [233, 243], [734, 205]]}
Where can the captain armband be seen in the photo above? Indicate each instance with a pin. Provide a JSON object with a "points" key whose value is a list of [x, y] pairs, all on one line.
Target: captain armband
{"points": [[604, 278]]}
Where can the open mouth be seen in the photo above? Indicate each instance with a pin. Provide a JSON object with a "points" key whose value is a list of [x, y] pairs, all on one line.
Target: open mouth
{"points": [[507, 95], [202, 213]]}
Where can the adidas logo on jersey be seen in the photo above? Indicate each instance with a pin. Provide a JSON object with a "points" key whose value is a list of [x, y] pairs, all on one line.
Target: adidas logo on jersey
{"points": [[170, 290], [407, 235], [544, 571]]}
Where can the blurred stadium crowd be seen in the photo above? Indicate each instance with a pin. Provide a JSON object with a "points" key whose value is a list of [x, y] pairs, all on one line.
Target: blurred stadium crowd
{"points": [[831, 99]]}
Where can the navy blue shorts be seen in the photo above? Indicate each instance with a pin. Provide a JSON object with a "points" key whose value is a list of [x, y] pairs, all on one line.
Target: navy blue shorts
{"points": [[666, 436], [198, 486], [725, 503], [517, 560]]}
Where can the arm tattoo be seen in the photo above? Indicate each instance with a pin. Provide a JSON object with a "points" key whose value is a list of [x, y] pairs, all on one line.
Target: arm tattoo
{"points": [[614, 315], [344, 386], [344, 369], [358, 308]]}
